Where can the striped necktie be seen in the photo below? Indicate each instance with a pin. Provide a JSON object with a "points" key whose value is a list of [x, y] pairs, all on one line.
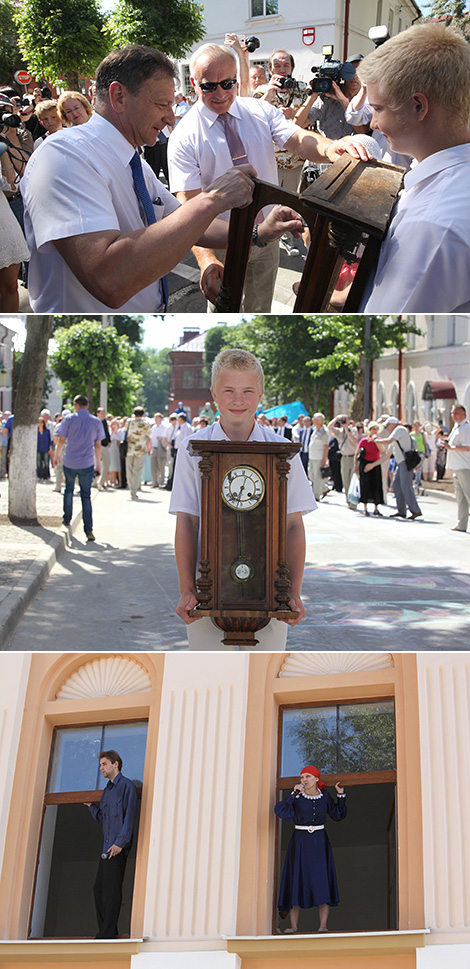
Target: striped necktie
{"points": [[143, 195]]}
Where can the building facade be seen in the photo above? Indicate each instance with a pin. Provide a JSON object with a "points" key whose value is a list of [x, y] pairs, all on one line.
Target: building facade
{"points": [[424, 381], [302, 30], [187, 380], [212, 741]]}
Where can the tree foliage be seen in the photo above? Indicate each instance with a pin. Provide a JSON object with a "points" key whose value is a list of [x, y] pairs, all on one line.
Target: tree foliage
{"points": [[172, 27], [10, 55], [61, 37], [154, 366], [130, 326], [307, 357], [85, 354], [453, 13]]}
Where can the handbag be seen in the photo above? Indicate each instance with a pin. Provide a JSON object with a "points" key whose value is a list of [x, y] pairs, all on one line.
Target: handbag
{"points": [[412, 457]]}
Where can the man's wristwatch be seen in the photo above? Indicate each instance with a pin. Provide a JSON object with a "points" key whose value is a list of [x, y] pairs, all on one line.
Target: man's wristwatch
{"points": [[254, 239]]}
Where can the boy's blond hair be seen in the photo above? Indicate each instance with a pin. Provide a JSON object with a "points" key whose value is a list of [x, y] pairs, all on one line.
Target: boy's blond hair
{"points": [[428, 59], [236, 360]]}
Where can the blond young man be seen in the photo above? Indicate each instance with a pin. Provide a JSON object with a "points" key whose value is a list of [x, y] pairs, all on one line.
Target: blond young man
{"points": [[237, 388], [418, 85]]}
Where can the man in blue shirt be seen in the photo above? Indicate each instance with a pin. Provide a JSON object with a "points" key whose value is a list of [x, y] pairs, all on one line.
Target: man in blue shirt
{"points": [[116, 813], [82, 432]]}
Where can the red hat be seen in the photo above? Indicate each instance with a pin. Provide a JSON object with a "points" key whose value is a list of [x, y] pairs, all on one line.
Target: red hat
{"points": [[315, 773]]}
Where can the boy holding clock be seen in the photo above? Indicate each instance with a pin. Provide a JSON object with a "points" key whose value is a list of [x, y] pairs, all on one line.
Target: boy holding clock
{"points": [[237, 388]]}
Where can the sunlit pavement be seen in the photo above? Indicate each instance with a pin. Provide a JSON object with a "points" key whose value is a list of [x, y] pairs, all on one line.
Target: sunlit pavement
{"points": [[370, 583]]}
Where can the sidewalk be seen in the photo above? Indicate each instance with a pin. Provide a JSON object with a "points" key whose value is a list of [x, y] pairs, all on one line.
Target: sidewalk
{"points": [[27, 554]]}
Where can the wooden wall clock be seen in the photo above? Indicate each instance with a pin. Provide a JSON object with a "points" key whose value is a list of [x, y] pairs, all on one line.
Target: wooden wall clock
{"points": [[244, 578], [347, 210]]}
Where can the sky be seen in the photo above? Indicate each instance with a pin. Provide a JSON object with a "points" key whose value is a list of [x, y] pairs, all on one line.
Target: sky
{"points": [[158, 333]]}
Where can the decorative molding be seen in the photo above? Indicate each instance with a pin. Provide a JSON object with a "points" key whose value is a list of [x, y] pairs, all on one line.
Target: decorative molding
{"points": [[321, 664], [109, 676]]}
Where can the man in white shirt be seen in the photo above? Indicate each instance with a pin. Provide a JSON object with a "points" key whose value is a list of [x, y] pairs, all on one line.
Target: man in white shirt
{"points": [[418, 84], [198, 150], [458, 461], [237, 387], [94, 245], [318, 455], [158, 454]]}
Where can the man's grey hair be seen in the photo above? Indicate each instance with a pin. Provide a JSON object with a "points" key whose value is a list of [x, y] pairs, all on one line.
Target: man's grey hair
{"points": [[211, 52]]}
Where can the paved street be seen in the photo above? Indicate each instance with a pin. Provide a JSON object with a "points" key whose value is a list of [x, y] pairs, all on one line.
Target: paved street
{"points": [[370, 583]]}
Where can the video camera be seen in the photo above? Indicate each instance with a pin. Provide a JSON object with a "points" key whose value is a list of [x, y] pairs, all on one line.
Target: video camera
{"points": [[329, 71]]}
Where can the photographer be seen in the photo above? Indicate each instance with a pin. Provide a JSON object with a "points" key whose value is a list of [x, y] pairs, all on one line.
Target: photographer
{"points": [[283, 91], [326, 111], [19, 147], [346, 435]]}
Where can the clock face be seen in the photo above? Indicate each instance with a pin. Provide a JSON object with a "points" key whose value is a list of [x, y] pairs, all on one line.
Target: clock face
{"points": [[241, 570], [243, 488]]}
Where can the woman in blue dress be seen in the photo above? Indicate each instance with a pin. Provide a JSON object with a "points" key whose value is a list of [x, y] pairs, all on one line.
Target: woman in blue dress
{"points": [[309, 876]]}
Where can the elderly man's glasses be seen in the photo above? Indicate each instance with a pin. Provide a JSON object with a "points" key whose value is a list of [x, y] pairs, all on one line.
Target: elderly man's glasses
{"points": [[226, 85]]}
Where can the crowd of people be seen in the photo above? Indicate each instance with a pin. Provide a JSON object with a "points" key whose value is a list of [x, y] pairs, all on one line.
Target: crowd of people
{"points": [[85, 170]]}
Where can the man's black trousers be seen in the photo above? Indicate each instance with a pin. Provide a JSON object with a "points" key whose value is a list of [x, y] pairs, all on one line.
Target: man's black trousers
{"points": [[108, 894]]}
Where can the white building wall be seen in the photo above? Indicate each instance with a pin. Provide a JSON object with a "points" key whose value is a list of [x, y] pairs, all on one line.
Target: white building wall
{"points": [[13, 683], [195, 830], [284, 29], [444, 709]]}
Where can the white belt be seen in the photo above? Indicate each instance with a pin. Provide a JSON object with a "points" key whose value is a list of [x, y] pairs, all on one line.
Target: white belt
{"points": [[309, 827]]}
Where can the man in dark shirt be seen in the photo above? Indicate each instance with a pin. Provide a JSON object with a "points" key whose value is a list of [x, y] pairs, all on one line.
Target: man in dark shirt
{"points": [[116, 813]]}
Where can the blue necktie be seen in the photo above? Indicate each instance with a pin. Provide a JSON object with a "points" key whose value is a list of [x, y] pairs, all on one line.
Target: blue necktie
{"points": [[147, 206]]}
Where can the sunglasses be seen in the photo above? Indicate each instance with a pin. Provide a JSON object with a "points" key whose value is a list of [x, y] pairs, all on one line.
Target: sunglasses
{"points": [[226, 85]]}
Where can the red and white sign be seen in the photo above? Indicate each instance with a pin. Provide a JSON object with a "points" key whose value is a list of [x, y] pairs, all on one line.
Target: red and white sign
{"points": [[308, 36], [22, 77]]}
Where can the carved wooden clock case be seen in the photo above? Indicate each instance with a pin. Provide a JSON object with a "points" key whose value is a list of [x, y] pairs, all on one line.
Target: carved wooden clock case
{"points": [[244, 578]]}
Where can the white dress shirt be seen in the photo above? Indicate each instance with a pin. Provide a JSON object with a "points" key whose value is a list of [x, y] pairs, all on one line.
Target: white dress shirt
{"points": [[459, 436], [198, 151], [78, 181], [424, 260], [186, 493]]}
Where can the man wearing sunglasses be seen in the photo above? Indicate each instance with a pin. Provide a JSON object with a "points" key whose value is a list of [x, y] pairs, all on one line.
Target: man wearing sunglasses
{"points": [[103, 231], [199, 149]]}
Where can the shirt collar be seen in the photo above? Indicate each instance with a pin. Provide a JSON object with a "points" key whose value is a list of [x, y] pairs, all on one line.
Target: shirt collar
{"points": [[112, 137], [211, 116], [437, 162], [219, 434], [118, 776]]}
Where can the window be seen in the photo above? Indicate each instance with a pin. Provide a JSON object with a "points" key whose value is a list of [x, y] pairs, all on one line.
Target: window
{"points": [[263, 8], [353, 743], [71, 840]]}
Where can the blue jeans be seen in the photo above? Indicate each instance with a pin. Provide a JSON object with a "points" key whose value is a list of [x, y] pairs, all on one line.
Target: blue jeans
{"points": [[85, 478]]}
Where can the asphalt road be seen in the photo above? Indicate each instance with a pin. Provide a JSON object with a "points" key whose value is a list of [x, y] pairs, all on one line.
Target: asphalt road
{"points": [[370, 583]]}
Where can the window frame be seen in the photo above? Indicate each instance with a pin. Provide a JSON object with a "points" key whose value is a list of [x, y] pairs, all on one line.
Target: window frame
{"points": [[72, 797]]}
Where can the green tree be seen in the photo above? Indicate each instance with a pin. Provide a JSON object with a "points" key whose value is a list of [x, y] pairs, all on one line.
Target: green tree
{"points": [[216, 339], [286, 347], [453, 13], [85, 354], [61, 37], [172, 26], [130, 326], [10, 55], [154, 366]]}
